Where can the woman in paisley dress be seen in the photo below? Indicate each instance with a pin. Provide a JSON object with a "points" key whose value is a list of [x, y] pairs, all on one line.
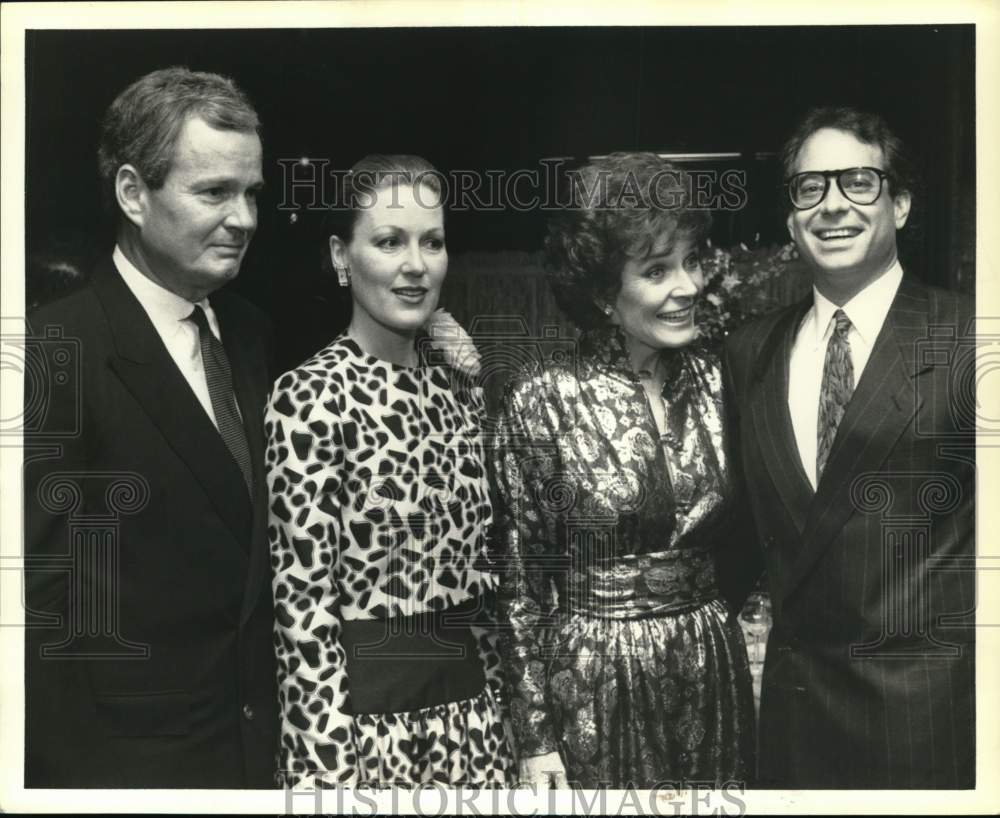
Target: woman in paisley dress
{"points": [[616, 491], [379, 508]]}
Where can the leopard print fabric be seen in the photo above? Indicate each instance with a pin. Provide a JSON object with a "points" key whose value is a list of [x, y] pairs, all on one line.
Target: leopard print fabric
{"points": [[379, 505]]}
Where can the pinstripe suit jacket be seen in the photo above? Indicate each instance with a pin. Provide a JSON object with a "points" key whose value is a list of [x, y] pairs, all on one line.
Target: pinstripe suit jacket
{"points": [[869, 676]]}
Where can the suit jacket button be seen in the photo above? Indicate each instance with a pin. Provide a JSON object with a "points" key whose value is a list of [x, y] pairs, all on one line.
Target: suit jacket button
{"points": [[248, 713]]}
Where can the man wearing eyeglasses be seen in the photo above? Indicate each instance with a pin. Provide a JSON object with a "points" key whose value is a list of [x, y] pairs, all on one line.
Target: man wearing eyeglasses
{"points": [[861, 474]]}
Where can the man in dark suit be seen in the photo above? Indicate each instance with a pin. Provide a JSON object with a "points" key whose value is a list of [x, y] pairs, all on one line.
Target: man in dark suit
{"points": [[149, 659], [858, 449]]}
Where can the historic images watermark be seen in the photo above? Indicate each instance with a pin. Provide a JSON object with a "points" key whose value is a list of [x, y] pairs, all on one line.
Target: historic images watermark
{"points": [[314, 184], [688, 797]]}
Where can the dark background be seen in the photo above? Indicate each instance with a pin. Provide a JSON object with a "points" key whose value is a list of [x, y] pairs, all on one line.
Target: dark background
{"points": [[505, 98]]}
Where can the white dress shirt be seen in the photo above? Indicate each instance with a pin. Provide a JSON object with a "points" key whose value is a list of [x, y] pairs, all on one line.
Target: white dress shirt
{"points": [[867, 312], [168, 312]]}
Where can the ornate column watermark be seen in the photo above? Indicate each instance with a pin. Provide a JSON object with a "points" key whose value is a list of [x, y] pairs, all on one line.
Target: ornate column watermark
{"points": [[906, 615], [92, 624]]}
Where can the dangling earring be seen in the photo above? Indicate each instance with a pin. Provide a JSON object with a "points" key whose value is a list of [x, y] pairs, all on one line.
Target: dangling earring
{"points": [[343, 275], [607, 309]]}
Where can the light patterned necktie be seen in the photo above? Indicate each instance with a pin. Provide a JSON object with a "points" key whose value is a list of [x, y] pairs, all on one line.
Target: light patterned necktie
{"points": [[220, 390], [836, 389]]}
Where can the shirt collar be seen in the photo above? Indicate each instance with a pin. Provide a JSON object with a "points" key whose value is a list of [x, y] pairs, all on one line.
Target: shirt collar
{"points": [[866, 311], [162, 306]]}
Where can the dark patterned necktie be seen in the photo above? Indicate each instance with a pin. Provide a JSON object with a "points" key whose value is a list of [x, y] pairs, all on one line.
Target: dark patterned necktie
{"points": [[836, 390], [220, 390]]}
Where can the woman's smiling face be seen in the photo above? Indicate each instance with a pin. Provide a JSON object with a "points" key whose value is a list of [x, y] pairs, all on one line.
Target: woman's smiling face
{"points": [[656, 304]]}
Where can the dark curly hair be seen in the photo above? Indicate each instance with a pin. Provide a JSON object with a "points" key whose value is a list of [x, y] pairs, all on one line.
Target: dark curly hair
{"points": [[872, 129], [622, 205]]}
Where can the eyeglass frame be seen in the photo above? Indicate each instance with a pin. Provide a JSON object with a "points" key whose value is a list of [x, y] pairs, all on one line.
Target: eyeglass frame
{"points": [[829, 174]]}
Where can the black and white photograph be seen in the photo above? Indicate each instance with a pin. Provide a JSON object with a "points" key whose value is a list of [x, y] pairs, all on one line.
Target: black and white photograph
{"points": [[454, 407]]}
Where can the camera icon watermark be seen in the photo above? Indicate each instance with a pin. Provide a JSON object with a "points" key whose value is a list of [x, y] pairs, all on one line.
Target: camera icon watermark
{"points": [[971, 356], [505, 348], [49, 365]]}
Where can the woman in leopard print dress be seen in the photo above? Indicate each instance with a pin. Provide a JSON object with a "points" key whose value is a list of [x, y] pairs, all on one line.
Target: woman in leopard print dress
{"points": [[379, 506]]}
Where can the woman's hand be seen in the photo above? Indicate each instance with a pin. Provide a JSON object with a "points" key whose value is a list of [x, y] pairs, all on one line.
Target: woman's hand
{"points": [[544, 771]]}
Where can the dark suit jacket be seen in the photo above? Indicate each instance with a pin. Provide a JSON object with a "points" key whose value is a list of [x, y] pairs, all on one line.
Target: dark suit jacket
{"points": [[869, 673], [149, 659]]}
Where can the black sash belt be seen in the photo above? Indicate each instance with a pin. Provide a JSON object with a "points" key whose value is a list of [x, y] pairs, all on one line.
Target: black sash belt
{"points": [[411, 662]]}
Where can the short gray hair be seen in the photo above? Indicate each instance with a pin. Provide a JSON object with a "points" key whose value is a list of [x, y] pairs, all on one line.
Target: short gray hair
{"points": [[142, 125]]}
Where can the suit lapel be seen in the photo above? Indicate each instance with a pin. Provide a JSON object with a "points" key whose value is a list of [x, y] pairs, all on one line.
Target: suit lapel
{"points": [[150, 374], [772, 421], [883, 405]]}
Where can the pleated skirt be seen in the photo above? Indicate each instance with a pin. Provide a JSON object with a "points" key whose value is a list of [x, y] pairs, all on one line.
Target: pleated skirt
{"points": [[462, 743], [656, 701]]}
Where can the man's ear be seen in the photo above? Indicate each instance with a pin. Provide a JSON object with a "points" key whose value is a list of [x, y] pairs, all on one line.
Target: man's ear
{"points": [[901, 208], [338, 252], [788, 224], [131, 194]]}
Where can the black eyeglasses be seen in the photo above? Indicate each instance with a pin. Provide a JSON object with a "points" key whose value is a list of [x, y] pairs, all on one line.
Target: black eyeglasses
{"points": [[862, 186]]}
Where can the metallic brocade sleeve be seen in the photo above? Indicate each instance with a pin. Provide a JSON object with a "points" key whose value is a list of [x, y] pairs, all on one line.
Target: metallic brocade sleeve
{"points": [[525, 549]]}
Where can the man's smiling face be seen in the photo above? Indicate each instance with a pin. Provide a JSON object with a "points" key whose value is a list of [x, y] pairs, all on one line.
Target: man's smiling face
{"points": [[846, 244]]}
